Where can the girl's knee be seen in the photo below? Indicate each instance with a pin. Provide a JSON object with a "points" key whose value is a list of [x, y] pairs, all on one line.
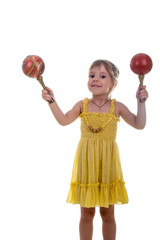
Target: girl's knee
{"points": [[87, 214], [107, 214]]}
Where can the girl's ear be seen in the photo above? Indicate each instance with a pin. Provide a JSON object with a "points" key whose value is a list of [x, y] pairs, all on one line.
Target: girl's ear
{"points": [[114, 84]]}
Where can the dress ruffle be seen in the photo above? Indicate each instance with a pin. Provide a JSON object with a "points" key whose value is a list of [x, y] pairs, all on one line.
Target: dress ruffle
{"points": [[92, 195]]}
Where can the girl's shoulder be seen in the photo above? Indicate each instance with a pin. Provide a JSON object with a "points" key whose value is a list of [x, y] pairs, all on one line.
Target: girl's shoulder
{"points": [[79, 105], [121, 109], [118, 108], [82, 104], [119, 105]]}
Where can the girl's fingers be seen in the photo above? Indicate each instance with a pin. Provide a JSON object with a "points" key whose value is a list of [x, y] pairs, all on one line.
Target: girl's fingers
{"points": [[47, 98], [47, 94], [142, 92], [49, 90], [144, 96], [44, 92]]}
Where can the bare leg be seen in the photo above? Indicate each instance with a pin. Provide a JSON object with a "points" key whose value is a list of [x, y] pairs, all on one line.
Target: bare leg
{"points": [[86, 223], [109, 224]]}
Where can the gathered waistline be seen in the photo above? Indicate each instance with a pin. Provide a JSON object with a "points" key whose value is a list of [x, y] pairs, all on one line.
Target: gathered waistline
{"points": [[97, 136]]}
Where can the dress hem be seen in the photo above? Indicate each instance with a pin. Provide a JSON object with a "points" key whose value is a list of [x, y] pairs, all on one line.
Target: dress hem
{"points": [[98, 194]]}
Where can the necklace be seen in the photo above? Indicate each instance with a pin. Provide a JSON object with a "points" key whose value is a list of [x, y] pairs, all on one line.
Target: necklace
{"points": [[96, 130], [101, 105]]}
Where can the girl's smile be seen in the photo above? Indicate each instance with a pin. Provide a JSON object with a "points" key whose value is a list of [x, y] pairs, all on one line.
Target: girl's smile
{"points": [[95, 85]]}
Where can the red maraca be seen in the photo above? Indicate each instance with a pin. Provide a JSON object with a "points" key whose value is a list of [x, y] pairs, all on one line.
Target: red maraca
{"points": [[141, 64], [33, 66]]}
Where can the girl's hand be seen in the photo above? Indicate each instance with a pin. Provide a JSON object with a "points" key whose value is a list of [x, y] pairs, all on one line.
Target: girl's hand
{"points": [[47, 94], [142, 93]]}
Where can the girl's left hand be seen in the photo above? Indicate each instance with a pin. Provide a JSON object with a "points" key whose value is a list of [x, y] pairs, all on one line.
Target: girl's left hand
{"points": [[142, 93]]}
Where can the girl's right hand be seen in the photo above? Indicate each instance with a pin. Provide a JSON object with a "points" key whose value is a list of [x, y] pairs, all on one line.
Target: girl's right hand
{"points": [[47, 94], [142, 93]]}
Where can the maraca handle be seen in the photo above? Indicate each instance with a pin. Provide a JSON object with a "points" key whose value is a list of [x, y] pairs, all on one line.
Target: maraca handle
{"points": [[141, 78], [40, 80]]}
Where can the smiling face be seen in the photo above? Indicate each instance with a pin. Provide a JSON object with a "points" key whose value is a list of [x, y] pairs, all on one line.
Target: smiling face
{"points": [[100, 82]]}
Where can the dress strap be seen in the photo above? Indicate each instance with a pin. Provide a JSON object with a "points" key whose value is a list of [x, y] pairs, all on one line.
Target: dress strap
{"points": [[85, 103], [112, 107]]}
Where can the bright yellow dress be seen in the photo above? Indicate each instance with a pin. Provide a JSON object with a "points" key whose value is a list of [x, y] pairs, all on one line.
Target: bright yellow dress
{"points": [[97, 178]]}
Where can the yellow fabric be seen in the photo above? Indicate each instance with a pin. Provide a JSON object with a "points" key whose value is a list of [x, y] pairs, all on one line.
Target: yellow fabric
{"points": [[97, 178]]}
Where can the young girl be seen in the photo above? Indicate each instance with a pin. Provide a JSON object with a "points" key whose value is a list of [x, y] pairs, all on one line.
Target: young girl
{"points": [[97, 178]]}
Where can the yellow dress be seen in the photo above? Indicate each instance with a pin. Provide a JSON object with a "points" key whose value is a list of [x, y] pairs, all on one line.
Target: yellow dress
{"points": [[97, 178]]}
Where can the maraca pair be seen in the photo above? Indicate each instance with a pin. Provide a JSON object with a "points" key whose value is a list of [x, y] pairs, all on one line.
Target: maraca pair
{"points": [[33, 66]]}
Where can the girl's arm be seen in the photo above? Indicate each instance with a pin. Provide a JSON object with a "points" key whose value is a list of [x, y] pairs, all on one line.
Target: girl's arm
{"points": [[62, 119], [137, 121], [67, 118]]}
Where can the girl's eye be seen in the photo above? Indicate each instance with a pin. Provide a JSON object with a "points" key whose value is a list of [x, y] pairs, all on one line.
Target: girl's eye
{"points": [[103, 76], [91, 76]]}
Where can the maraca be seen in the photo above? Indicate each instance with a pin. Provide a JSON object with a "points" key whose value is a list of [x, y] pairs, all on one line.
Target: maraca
{"points": [[141, 64], [33, 66]]}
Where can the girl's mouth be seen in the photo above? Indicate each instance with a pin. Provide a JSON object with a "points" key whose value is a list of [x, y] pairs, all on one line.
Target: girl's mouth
{"points": [[95, 85]]}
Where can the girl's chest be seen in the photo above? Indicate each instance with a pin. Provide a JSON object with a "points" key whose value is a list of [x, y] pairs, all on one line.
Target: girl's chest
{"points": [[92, 108]]}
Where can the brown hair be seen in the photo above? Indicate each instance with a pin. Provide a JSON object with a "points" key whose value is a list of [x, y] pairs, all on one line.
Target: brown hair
{"points": [[109, 66]]}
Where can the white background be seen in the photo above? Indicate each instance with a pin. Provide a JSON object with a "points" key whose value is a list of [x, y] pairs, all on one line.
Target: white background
{"points": [[37, 154]]}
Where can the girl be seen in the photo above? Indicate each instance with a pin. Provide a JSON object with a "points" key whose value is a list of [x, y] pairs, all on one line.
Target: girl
{"points": [[97, 178]]}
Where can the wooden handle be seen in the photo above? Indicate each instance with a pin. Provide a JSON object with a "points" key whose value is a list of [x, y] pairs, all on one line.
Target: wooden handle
{"points": [[141, 79]]}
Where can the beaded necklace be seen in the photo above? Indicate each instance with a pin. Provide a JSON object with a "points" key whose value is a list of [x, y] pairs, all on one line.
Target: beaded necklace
{"points": [[96, 130]]}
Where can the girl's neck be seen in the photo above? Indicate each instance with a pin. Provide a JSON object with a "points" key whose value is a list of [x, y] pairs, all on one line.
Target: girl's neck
{"points": [[100, 99], [99, 104]]}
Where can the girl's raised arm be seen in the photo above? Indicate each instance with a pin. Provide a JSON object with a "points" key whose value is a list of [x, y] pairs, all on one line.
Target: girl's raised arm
{"points": [[67, 118], [62, 119], [137, 121]]}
